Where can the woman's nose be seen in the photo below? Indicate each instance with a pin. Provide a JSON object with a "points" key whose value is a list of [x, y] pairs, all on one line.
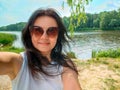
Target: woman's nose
{"points": [[44, 35]]}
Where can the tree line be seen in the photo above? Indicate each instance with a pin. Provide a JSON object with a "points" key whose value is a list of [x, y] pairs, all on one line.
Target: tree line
{"points": [[107, 20], [13, 27]]}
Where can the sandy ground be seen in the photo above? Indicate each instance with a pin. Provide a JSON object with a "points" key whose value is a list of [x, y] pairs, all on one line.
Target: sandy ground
{"points": [[96, 78], [91, 78], [5, 83]]}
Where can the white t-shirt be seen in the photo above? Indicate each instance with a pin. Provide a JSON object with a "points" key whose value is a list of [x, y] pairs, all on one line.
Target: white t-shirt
{"points": [[25, 81]]}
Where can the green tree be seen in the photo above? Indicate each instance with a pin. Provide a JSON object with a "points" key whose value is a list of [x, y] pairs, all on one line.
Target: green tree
{"points": [[90, 20], [77, 8], [110, 20], [13, 27], [96, 20], [66, 21], [105, 19]]}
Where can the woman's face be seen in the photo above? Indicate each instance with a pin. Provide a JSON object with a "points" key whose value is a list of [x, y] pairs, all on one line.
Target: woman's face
{"points": [[44, 34]]}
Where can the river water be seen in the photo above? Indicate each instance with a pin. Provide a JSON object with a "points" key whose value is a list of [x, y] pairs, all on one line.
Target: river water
{"points": [[84, 42]]}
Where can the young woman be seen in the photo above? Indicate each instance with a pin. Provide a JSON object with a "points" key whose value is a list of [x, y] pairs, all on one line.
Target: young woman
{"points": [[42, 66]]}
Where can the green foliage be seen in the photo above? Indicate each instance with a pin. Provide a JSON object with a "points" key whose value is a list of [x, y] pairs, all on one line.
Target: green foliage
{"points": [[116, 66], [103, 21], [13, 27], [77, 8], [6, 39], [66, 21], [107, 53], [71, 54], [110, 20], [11, 49], [93, 54]]}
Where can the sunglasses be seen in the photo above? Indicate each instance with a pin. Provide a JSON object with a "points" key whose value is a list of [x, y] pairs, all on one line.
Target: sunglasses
{"points": [[38, 31]]}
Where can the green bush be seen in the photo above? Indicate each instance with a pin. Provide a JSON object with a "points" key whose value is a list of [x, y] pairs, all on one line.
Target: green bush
{"points": [[93, 54], [71, 54], [113, 53], [12, 49], [6, 39]]}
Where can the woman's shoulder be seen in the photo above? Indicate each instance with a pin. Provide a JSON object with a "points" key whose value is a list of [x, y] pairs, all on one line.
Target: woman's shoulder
{"points": [[70, 79], [70, 69], [17, 63], [69, 72]]}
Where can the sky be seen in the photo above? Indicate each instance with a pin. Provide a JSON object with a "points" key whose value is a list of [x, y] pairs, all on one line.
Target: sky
{"points": [[15, 11]]}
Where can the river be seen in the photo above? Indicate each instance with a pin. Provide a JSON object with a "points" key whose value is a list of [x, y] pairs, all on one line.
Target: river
{"points": [[84, 42]]}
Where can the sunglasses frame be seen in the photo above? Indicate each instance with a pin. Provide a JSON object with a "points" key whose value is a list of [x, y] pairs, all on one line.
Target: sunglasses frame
{"points": [[39, 31]]}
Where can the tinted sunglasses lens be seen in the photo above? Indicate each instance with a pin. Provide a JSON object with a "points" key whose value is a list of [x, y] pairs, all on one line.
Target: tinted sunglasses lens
{"points": [[52, 31], [37, 31]]}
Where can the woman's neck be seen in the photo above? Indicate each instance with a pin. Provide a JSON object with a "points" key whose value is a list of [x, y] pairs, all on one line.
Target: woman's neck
{"points": [[47, 55]]}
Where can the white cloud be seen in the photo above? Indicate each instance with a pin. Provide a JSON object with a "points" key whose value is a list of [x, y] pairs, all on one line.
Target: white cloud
{"points": [[63, 12], [106, 5], [111, 5], [116, 4]]}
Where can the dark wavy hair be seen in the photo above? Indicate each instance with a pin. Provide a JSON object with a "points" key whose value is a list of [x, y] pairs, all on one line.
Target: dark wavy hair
{"points": [[35, 58]]}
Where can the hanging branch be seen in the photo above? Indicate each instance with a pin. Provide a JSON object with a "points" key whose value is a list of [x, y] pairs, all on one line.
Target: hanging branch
{"points": [[77, 10]]}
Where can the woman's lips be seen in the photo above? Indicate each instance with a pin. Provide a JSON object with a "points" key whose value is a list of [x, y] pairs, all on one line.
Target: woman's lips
{"points": [[43, 43]]}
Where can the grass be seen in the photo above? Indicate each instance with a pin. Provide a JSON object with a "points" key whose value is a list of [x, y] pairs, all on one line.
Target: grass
{"points": [[6, 41], [71, 54], [11, 49], [113, 53]]}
